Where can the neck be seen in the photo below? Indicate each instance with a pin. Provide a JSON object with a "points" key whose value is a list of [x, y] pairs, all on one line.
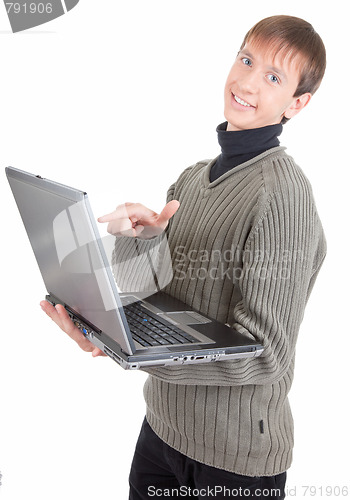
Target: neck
{"points": [[238, 146]]}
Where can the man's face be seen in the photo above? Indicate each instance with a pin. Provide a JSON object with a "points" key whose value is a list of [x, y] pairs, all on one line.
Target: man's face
{"points": [[259, 89]]}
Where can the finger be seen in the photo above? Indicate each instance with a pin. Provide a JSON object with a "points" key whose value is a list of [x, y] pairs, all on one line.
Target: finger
{"points": [[107, 217], [97, 352], [121, 212], [60, 316], [126, 232], [50, 311], [168, 211], [72, 331], [67, 324], [117, 227], [138, 229]]}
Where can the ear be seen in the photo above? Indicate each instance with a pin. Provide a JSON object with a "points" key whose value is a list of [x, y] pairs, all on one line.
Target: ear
{"points": [[297, 105]]}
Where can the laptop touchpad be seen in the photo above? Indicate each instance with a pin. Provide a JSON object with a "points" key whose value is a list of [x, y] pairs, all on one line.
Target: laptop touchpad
{"points": [[185, 317]]}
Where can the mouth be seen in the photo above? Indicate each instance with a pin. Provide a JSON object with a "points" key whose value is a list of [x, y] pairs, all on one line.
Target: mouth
{"points": [[242, 102]]}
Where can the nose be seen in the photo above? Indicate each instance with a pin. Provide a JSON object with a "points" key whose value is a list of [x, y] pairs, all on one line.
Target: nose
{"points": [[249, 82]]}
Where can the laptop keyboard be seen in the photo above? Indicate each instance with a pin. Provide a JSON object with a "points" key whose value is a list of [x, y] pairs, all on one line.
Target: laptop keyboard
{"points": [[149, 329]]}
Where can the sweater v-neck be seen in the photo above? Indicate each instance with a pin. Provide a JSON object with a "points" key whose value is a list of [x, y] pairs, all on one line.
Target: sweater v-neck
{"points": [[225, 177]]}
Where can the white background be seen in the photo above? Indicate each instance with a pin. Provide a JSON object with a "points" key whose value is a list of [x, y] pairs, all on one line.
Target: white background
{"points": [[117, 98]]}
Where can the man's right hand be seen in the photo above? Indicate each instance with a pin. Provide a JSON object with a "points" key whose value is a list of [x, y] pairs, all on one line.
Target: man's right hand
{"points": [[134, 219]]}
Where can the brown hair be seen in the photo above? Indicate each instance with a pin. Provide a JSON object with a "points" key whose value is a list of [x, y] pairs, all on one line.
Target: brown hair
{"points": [[293, 37]]}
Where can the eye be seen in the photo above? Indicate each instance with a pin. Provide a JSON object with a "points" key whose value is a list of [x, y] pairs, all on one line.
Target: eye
{"points": [[273, 78], [246, 61]]}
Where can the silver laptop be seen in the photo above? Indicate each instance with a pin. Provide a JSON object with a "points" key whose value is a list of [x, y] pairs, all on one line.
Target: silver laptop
{"points": [[136, 329]]}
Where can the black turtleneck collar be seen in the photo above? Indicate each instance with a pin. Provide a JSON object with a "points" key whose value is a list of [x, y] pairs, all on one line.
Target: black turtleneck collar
{"points": [[240, 146]]}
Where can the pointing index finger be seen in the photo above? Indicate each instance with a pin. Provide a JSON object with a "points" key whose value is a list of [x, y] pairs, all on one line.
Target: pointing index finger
{"points": [[119, 213], [107, 217]]}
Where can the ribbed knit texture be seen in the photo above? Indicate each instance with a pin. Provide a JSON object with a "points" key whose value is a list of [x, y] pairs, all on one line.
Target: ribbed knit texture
{"points": [[246, 250]]}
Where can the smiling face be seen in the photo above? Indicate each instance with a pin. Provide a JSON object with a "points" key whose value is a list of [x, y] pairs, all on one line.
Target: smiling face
{"points": [[260, 87]]}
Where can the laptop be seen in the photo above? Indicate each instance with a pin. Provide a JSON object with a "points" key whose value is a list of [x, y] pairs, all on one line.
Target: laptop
{"points": [[136, 329]]}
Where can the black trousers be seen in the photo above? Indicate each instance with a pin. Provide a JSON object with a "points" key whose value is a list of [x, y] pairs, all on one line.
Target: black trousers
{"points": [[159, 471]]}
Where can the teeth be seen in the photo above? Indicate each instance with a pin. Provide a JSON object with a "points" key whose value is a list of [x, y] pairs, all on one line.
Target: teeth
{"points": [[240, 101]]}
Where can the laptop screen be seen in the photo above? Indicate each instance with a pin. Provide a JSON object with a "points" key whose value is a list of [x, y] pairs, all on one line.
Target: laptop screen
{"points": [[68, 251]]}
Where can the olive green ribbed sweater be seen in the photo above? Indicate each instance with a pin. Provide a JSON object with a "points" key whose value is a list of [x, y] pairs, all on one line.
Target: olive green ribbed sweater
{"points": [[246, 250]]}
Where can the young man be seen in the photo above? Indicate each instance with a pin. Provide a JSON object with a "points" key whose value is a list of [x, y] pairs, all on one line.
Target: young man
{"points": [[251, 213]]}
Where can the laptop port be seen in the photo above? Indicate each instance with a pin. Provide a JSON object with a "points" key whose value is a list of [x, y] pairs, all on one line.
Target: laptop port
{"points": [[108, 351]]}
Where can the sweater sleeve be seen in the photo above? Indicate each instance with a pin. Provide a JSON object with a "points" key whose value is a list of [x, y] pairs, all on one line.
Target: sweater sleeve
{"points": [[282, 257]]}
